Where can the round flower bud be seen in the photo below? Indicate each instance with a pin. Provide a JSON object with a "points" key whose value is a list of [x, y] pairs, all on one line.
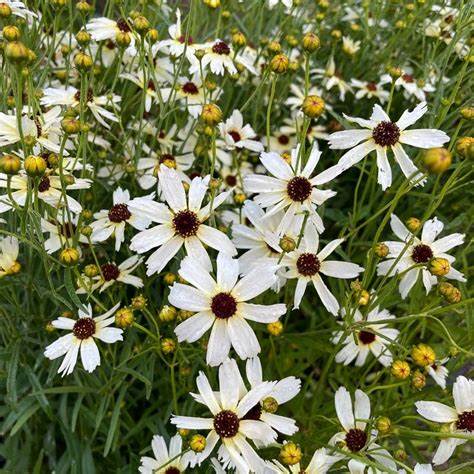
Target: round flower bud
{"points": [[239, 198], [91, 270], [49, 327], [274, 47], [290, 454], [10, 164], [394, 72], [413, 224], [139, 302], [270, 405], [183, 432], [465, 147], [310, 42], [239, 40], [83, 61], [168, 345], [14, 268], [313, 106], [211, 114], [279, 63], [197, 443], [83, 38], [152, 35], [213, 3], [5, 10], [16, 52], [437, 160], [71, 125], [439, 266], [183, 314], [287, 244], [400, 454], [11, 33], [84, 7], [86, 214], [275, 329], [167, 313], [423, 355], [69, 256], [123, 39], [337, 34], [86, 231], [467, 113], [450, 292], [35, 165], [400, 369], [384, 424], [169, 278], [381, 250], [418, 380], [124, 318], [141, 24], [364, 298]]}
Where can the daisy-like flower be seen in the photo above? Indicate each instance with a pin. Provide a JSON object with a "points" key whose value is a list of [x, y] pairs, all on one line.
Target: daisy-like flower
{"points": [[148, 85], [49, 191], [370, 90], [307, 263], [331, 78], [111, 273], [113, 221], [61, 232], [410, 85], [374, 337], [355, 438], [320, 463], [459, 419], [438, 372], [84, 331], [349, 46], [44, 130], [222, 304], [281, 142], [381, 134], [238, 136], [9, 249], [190, 91], [103, 29], [229, 425], [182, 223], [165, 461], [291, 186], [71, 97], [419, 252]]}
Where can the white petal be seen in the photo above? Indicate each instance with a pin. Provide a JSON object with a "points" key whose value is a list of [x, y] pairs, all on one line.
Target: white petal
{"points": [[327, 298], [410, 117], [160, 257], [90, 356], [399, 228], [435, 411], [384, 171], [343, 403], [329, 249], [109, 335], [336, 269], [188, 298], [216, 239], [253, 397], [229, 389], [192, 271], [447, 243], [276, 165], [361, 409], [207, 393], [261, 313], [424, 138], [347, 138], [172, 188], [193, 328], [192, 422], [254, 283], [242, 337], [227, 271], [431, 230], [218, 346], [407, 281], [446, 449], [356, 154], [463, 394], [286, 389]]}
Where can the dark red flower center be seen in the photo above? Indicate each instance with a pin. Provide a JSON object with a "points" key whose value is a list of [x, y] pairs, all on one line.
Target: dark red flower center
{"points": [[186, 223], [172, 470], [151, 85], [283, 139], [89, 96], [235, 136], [109, 44], [308, 264], [110, 271], [44, 184], [223, 305], [299, 188], [182, 39], [254, 413], [366, 337], [226, 424], [231, 180], [123, 26], [466, 421], [408, 78], [422, 254], [84, 328], [356, 439], [386, 134], [119, 213], [221, 48], [371, 86], [190, 88]]}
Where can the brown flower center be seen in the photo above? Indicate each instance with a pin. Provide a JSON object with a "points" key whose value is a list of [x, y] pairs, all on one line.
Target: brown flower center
{"points": [[221, 48], [172, 470], [283, 139], [223, 305], [186, 223], [190, 88], [182, 39], [466, 421], [422, 254], [308, 264], [110, 271], [122, 25], [226, 424], [119, 213], [386, 134], [299, 188], [231, 180], [235, 136], [44, 184], [356, 439], [84, 328], [89, 96], [408, 78], [366, 337], [371, 86]]}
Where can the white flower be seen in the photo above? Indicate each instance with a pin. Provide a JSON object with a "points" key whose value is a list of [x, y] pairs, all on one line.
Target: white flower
{"points": [[438, 372], [419, 252], [165, 459], [103, 28], [71, 97], [307, 264], [291, 187], [190, 91], [286, 3], [229, 407], [182, 223], [331, 78], [374, 337], [62, 232], [320, 463], [410, 86], [370, 90], [355, 438], [82, 337], [349, 46], [381, 134], [9, 249], [222, 305], [113, 221], [236, 135], [460, 418], [111, 273]]}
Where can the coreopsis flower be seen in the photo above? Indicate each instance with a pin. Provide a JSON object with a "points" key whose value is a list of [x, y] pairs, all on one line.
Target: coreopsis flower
{"points": [[381, 134], [71, 97], [238, 136], [373, 337], [189, 91], [81, 338], [62, 232], [320, 463], [229, 424], [370, 90], [438, 372], [181, 222], [298, 95], [291, 187], [111, 273], [50, 191], [331, 78], [356, 438], [349, 46], [307, 263], [165, 461], [9, 249], [459, 419], [412, 255], [104, 29], [410, 85], [113, 221], [222, 304], [43, 129]]}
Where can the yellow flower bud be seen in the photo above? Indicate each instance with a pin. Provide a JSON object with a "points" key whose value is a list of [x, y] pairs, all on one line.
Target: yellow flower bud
{"points": [[450, 292], [239, 198], [275, 329], [287, 243], [197, 443], [86, 231], [11, 33], [183, 432], [167, 313], [413, 224], [423, 355], [270, 405], [311, 42], [279, 63], [83, 61], [384, 424], [141, 24], [313, 106], [35, 165], [69, 256], [84, 7], [465, 147], [364, 298], [49, 327], [139, 302], [467, 113], [381, 250], [16, 52], [437, 160], [439, 266], [239, 40], [123, 39], [418, 380], [71, 125], [10, 164], [168, 345], [124, 318], [211, 114], [5, 10], [400, 369], [83, 38], [14, 268], [152, 35], [400, 454], [290, 454], [169, 278], [91, 270]]}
